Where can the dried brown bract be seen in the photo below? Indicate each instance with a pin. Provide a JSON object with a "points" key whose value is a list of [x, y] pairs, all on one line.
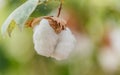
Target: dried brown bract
{"points": [[56, 23], [33, 22]]}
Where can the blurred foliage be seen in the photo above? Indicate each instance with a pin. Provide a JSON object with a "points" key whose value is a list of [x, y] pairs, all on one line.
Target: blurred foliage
{"points": [[4, 61], [45, 9]]}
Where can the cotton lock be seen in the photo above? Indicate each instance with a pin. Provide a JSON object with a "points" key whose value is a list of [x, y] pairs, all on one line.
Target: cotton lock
{"points": [[50, 44]]}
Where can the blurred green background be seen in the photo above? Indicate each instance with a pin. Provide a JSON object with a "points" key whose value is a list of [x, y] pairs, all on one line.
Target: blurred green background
{"points": [[90, 20]]}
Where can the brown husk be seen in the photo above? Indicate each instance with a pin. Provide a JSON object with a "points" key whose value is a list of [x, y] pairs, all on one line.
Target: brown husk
{"points": [[56, 23]]}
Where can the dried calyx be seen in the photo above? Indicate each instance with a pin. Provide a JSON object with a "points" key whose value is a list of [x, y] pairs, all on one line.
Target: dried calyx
{"points": [[56, 23]]}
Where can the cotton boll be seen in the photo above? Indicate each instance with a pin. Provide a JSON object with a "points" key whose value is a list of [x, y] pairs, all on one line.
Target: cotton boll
{"points": [[44, 38], [52, 38], [115, 40], [66, 44], [108, 60]]}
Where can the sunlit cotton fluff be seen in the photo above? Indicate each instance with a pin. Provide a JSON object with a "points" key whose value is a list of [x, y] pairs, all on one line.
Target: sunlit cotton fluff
{"points": [[65, 45], [44, 38], [50, 44], [115, 40], [108, 60]]}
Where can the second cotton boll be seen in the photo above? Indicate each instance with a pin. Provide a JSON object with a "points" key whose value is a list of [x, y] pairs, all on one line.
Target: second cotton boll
{"points": [[49, 43], [65, 45]]}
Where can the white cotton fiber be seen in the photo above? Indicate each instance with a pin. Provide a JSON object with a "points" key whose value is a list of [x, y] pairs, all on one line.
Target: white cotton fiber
{"points": [[65, 45], [51, 44], [44, 38]]}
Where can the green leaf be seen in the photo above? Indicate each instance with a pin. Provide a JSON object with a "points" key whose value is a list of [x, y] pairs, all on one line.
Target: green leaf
{"points": [[19, 15], [11, 27]]}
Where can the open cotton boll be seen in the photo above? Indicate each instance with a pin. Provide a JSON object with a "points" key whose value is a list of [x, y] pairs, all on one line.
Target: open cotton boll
{"points": [[44, 38], [115, 40], [65, 45], [108, 60], [51, 37]]}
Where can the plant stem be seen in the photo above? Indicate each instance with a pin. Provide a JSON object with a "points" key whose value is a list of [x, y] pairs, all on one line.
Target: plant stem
{"points": [[59, 9]]}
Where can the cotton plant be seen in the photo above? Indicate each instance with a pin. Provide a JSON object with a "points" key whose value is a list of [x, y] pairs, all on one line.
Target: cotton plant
{"points": [[115, 39], [108, 60], [109, 53], [51, 36]]}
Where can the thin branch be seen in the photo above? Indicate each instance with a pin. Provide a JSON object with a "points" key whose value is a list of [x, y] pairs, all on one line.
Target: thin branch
{"points": [[59, 9]]}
